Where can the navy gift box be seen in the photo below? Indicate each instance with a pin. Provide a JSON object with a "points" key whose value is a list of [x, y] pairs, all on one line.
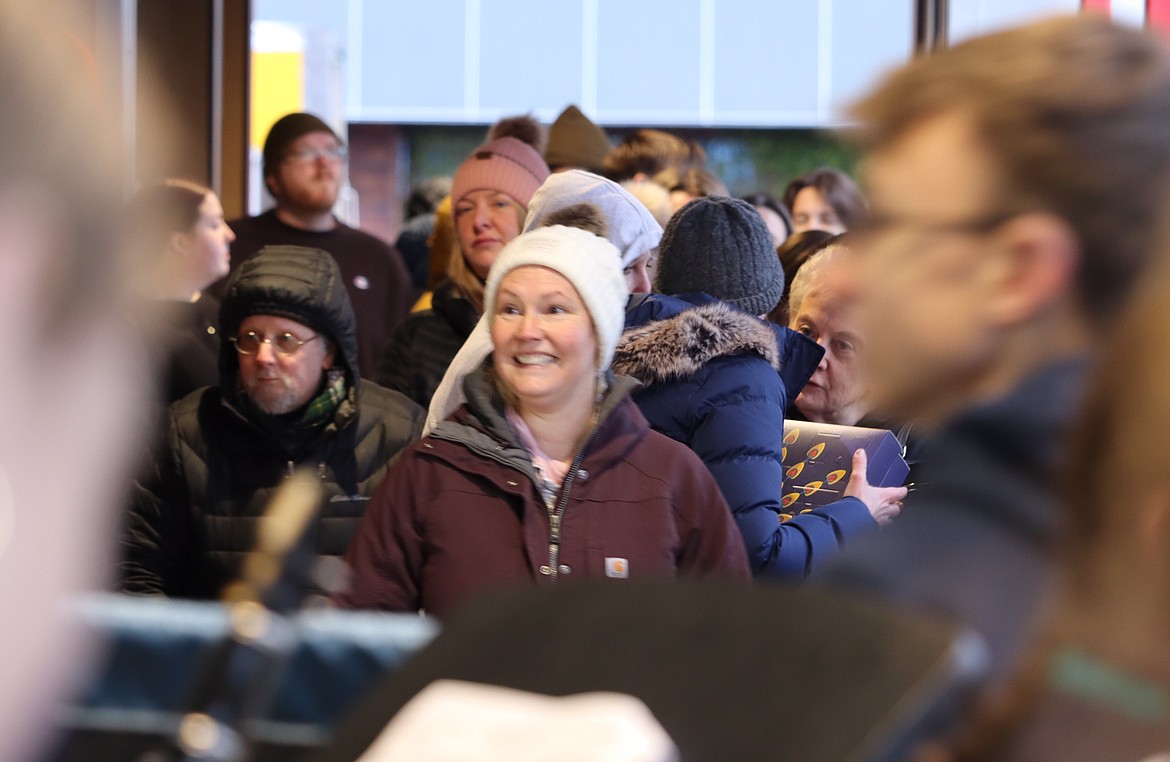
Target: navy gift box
{"points": [[818, 458]]}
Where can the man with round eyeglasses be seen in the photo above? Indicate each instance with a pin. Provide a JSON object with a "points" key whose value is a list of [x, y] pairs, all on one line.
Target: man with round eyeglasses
{"points": [[290, 396], [304, 171], [274, 371]]}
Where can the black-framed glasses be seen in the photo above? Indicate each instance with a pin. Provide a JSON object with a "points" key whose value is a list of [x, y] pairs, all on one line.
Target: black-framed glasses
{"points": [[309, 155], [284, 344]]}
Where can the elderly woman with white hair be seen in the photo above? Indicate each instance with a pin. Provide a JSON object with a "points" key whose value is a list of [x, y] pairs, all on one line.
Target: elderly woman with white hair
{"points": [[548, 472], [821, 306]]}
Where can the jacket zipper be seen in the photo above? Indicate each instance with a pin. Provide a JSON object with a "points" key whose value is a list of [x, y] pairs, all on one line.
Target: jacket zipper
{"points": [[555, 514]]}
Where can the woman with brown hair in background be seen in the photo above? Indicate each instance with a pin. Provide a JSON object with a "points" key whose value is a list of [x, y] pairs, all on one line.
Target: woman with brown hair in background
{"points": [[824, 199], [178, 227]]}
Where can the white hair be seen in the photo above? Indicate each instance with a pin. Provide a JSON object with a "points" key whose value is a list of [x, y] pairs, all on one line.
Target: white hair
{"points": [[810, 272]]}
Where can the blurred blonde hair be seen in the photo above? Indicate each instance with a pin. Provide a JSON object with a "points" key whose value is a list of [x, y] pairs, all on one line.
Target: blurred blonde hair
{"points": [[1119, 459], [808, 274]]}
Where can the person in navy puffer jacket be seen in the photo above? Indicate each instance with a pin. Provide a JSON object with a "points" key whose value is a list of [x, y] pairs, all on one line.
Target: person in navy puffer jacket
{"points": [[719, 379]]}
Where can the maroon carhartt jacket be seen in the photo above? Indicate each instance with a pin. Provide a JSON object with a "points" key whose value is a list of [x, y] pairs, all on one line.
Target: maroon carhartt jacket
{"points": [[461, 513]]}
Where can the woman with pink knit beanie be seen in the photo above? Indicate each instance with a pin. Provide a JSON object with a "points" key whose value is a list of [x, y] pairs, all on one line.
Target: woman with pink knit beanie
{"points": [[489, 201]]}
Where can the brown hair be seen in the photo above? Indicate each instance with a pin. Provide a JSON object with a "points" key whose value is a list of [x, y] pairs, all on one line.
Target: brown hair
{"points": [[1074, 110], [1118, 456], [157, 211], [652, 152], [1116, 461], [836, 188], [696, 182]]}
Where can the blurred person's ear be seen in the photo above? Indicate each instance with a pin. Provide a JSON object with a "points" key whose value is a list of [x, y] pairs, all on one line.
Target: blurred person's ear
{"points": [[1037, 257], [180, 240], [1154, 532]]}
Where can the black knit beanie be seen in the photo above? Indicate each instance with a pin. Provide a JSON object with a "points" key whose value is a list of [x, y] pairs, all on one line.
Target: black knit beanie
{"points": [[721, 246], [286, 130], [293, 282]]}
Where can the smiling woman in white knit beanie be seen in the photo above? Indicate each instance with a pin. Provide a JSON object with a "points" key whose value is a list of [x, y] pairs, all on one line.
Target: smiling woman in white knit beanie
{"points": [[629, 226], [549, 470]]}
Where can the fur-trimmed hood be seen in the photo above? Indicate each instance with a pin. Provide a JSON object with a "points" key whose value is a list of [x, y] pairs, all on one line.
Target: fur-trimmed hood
{"points": [[680, 346]]}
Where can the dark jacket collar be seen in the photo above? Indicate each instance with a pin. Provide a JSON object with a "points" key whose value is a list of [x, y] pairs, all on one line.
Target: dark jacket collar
{"points": [[481, 426], [1028, 423], [1001, 456], [455, 308], [292, 441]]}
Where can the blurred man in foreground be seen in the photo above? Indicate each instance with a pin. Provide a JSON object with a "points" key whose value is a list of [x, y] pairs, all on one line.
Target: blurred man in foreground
{"points": [[1015, 183], [74, 387]]}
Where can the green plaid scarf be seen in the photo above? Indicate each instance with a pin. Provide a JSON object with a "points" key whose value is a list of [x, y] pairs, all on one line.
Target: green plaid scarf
{"points": [[322, 407]]}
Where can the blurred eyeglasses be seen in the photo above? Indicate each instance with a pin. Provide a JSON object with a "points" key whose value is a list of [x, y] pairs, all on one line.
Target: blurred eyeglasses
{"points": [[310, 155], [284, 344]]}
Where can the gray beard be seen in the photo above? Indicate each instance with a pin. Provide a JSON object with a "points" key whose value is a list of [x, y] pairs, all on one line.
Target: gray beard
{"points": [[285, 400]]}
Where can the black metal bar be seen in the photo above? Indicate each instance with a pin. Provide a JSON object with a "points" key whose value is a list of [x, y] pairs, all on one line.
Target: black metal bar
{"points": [[930, 25]]}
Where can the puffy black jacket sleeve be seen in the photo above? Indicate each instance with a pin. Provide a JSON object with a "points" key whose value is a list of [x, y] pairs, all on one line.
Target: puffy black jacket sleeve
{"points": [[157, 538]]}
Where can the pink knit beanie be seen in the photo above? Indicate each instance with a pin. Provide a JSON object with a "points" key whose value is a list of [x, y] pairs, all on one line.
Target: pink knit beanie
{"points": [[506, 165]]}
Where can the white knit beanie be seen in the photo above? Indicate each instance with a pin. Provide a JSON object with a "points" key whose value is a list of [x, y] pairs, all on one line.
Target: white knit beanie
{"points": [[592, 264], [630, 225]]}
